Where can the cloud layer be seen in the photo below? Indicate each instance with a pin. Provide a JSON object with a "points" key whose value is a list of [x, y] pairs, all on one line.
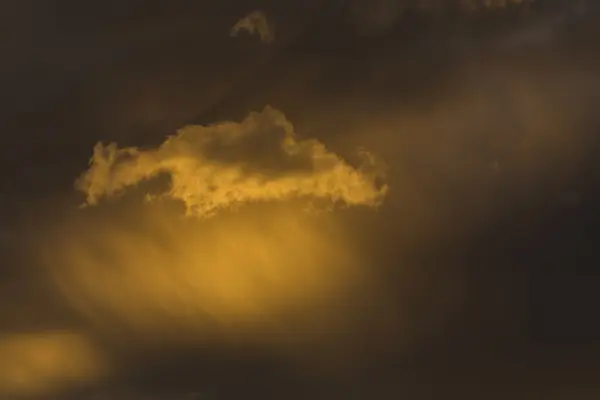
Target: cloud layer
{"points": [[379, 15]]}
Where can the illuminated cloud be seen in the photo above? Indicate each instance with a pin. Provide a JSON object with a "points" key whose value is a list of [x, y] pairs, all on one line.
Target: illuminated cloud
{"points": [[222, 166], [39, 363], [255, 22], [252, 273]]}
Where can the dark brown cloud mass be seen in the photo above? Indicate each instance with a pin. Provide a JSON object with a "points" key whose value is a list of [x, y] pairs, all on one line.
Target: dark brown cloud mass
{"points": [[390, 199]]}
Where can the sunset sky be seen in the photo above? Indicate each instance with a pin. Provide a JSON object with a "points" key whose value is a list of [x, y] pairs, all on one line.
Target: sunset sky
{"points": [[317, 199]]}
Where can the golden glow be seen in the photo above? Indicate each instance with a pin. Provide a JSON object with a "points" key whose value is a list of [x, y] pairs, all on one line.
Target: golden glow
{"points": [[37, 363], [167, 278]]}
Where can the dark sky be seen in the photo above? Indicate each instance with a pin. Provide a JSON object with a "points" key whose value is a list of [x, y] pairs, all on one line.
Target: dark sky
{"points": [[484, 253]]}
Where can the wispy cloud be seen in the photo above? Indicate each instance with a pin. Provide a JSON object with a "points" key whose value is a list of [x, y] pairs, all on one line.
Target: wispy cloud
{"points": [[254, 23]]}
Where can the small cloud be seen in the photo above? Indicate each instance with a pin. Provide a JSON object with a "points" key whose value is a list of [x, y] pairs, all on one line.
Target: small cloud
{"points": [[255, 22]]}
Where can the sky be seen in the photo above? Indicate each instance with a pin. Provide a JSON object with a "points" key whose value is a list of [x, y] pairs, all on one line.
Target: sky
{"points": [[339, 199]]}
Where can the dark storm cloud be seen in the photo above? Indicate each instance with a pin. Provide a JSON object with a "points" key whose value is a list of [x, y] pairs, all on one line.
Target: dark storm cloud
{"points": [[484, 125], [380, 15]]}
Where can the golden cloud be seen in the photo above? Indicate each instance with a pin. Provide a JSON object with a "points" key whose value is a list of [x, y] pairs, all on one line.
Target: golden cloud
{"points": [[251, 272], [228, 164]]}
